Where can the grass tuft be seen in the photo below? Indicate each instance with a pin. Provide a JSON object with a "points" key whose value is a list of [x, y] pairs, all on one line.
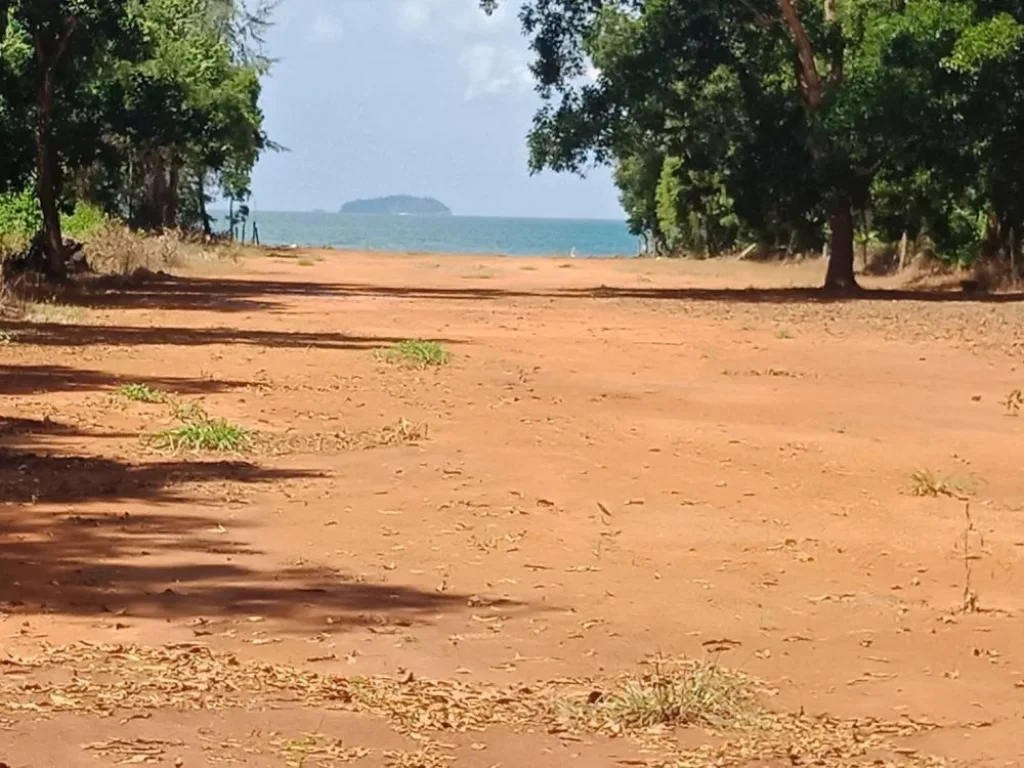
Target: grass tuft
{"points": [[54, 313], [200, 432], [416, 353], [675, 693], [926, 483], [142, 393], [1014, 402]]}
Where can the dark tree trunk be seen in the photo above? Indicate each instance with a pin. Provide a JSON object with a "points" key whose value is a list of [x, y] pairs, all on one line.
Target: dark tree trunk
{"points": [[151, 211], [201, 187], [171, 200], [840, 275], [48, 177]]}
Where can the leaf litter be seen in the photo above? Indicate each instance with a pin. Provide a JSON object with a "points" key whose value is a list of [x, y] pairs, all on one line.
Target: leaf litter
{"points": [[108, 679]]}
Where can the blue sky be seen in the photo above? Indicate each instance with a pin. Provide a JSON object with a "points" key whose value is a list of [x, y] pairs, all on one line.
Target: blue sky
{"points": [[426, 97]]}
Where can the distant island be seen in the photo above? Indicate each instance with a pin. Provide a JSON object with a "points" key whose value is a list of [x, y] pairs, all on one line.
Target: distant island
{"points": [[398, 205]]}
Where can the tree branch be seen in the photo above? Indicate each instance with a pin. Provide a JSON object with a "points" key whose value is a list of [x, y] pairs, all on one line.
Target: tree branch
{"points": [[761, 17], [65, 39], [813, 89]]}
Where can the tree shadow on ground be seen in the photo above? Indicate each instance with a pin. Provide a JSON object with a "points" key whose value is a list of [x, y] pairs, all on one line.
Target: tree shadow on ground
{"points": [[34, 379], [150, 543], [231, 294], [788, 295], [166, 565], [61, 335]]}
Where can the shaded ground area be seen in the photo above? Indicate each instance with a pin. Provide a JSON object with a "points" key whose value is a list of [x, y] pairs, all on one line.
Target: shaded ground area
{"points": [[623, 459]]}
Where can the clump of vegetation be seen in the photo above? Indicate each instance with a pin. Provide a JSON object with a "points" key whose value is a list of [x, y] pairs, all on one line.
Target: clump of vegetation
{"points": [[1013, 402], [416, 353], [53, 312], [401, 432], [5, 337], [142, 393], [783, 333], [114, 248], [925, 482], [695, 693], [198, 431]]}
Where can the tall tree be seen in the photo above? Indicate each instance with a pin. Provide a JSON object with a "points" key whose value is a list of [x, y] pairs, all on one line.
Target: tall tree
{"points": [[786, 106], [67, 38]]}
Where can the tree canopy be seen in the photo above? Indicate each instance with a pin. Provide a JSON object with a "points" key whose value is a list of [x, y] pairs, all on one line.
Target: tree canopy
{"points": [[141, 107], [790, 123]]}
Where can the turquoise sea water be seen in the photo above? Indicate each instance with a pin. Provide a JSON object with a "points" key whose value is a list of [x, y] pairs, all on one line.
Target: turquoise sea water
{"points": [[445, 234]]}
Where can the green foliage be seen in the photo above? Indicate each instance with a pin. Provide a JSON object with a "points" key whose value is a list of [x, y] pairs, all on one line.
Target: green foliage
{"points": [[734, 122], [20, 218], [153, 109], [417, 353], [141, 393], [85, 222], [198, 431]]}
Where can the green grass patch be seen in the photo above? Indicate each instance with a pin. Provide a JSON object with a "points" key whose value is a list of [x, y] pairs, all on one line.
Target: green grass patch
{"points": [[198, 431], [141, 393], [5, 337], [416, 353]]}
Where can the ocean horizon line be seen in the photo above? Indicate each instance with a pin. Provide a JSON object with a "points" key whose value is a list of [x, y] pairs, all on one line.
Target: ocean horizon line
{"points": [[321, 212]]}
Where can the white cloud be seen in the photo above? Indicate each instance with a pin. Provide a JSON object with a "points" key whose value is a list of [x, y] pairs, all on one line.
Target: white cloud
{"points": [[443, 20], [326, 29], [493, 55], [492, 70], [415, 15]]}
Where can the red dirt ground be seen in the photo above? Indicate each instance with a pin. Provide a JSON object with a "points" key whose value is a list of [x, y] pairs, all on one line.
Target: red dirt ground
{"points": [[624, 458]]}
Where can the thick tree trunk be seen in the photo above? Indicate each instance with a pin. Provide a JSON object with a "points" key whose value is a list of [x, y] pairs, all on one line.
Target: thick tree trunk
{"points": [[203, 215], [47, 181], [1013, 255], [171, 199], [840, 275], [903, 251]]}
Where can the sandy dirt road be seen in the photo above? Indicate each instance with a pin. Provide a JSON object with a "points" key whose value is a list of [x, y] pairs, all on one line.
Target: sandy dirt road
{"points": [[622, 459]]}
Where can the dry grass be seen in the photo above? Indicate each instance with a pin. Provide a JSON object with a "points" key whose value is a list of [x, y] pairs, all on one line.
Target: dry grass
{"points": [[120, 251], [53, 312], [675, 693], [926, 483], [402, 432], [110, 680], [1014, 402]]}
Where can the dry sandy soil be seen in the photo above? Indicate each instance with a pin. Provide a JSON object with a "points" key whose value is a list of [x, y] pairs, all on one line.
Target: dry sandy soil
{"points": [[623, 460]]}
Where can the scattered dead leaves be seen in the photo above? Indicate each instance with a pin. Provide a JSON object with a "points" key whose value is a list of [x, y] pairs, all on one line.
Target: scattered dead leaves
{"points": [[402, 432], [190, 676]]}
